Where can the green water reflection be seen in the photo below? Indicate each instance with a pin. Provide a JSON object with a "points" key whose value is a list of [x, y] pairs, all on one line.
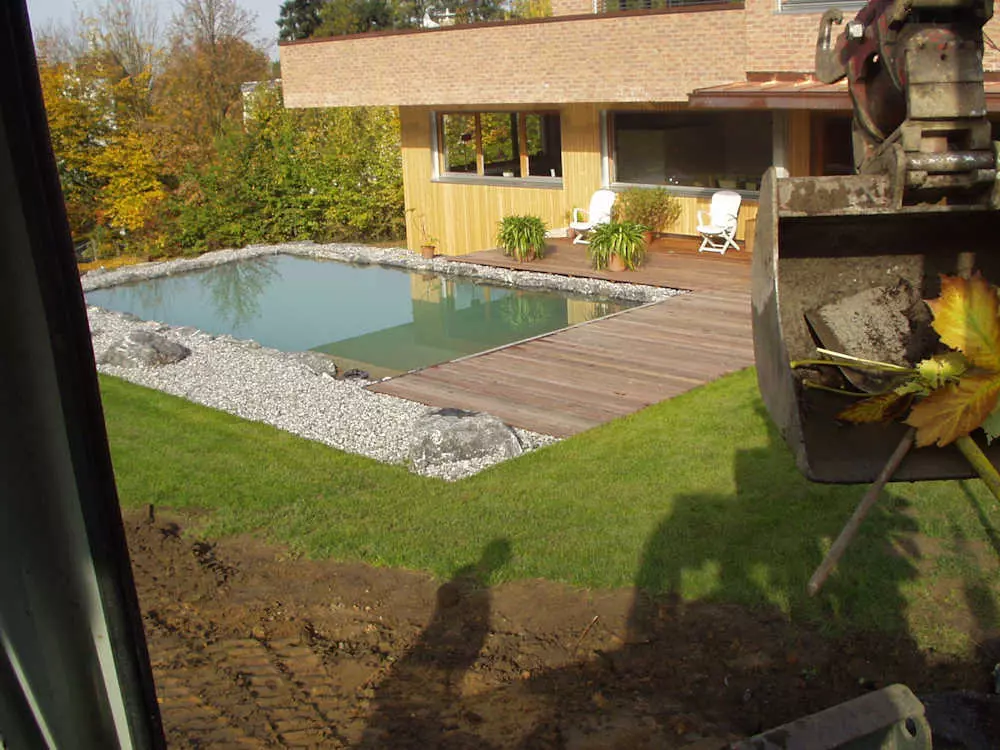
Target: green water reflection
{"points": [[379, 319]]}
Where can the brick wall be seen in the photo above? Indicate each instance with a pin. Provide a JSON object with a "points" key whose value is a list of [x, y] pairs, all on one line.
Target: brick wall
{"points": [[780, 41], [624, 58], [787, 41]]}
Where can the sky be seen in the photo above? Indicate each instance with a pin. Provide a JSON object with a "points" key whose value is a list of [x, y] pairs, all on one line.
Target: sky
{"points": [[42, 12]]}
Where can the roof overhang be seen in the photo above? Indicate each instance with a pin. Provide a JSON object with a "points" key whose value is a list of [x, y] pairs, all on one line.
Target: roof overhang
{"points": [[774, 91], [767, 91]]}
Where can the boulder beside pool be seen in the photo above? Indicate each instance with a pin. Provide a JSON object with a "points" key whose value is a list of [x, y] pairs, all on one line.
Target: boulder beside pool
{"points": [[443, 436], [143, 349]]}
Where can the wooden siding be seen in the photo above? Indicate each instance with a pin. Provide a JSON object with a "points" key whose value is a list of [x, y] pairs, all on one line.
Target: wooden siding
{"points": [[688, 222], [799, 143], [463, 217]]}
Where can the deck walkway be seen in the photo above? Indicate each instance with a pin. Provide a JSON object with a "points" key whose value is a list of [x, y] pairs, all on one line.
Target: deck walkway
{"points": [[577, 378], [671, 262]]}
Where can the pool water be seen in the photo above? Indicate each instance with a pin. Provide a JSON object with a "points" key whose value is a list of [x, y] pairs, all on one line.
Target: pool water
{"points": [[383, 320]]}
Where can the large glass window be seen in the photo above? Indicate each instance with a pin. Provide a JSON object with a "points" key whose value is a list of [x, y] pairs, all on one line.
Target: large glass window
{"points": [[459, 139], [696, 150], [500, 144], [500, 153]]}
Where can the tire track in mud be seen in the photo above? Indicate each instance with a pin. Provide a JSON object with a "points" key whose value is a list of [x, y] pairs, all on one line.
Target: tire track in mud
{"points": [[240, 692], [217, 689]]}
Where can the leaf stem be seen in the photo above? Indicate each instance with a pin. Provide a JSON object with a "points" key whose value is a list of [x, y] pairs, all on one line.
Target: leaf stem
{"points": [[860, 365], [986, 470], [839, 391], [880, 365]]}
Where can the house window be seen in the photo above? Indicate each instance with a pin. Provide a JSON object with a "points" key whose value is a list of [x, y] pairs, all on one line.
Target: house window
{"points": [[708, 150], [819, 6], [500, 145], [459, 143]]}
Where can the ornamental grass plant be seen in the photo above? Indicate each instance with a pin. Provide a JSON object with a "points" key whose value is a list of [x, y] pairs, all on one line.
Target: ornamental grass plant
{"points": [[522, 237]]}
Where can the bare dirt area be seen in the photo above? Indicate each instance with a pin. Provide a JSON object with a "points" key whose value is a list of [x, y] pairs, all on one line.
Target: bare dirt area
{"points": [[253, 648]]}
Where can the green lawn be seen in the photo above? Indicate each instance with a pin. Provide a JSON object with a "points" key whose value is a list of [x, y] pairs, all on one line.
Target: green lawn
{"points": [[696, 495]]}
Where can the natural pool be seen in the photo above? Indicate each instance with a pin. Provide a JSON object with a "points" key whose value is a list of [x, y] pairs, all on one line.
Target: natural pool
{"points": [[383, 320]]}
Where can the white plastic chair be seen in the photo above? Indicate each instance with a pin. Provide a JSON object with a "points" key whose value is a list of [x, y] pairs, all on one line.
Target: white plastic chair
{"points": [[719, 231], [598, 213]]}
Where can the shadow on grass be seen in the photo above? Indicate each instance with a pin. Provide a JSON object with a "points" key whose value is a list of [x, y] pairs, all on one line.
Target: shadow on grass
{"points": [[759, 548], [709, 668]]}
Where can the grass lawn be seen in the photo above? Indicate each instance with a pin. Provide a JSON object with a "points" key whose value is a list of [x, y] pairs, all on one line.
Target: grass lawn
{"points": [[697, 495]]}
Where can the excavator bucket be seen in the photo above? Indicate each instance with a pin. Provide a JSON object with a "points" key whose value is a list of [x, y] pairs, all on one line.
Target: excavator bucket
{"points": [[840, 265]]}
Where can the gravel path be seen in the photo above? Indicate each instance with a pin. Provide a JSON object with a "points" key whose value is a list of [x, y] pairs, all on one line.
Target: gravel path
{"points": [[279, 388]]}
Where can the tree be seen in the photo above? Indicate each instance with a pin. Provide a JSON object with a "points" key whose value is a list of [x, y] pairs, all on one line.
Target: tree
{"points": [[77, 103], [209, 22], [299, 19], [128, 32], [199, 91], [341, 17]]}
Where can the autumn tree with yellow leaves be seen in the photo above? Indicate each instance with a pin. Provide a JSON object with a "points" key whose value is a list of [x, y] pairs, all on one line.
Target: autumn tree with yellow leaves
{"points": [[157, 156]]}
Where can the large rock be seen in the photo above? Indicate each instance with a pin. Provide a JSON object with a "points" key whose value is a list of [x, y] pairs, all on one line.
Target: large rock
{"points": [[143, 349], [318, 363], [447, 436]]}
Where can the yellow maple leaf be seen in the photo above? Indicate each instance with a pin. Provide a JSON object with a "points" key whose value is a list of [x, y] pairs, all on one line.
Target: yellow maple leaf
{"points": [[955, 410], [967, 318], [881, 408]]}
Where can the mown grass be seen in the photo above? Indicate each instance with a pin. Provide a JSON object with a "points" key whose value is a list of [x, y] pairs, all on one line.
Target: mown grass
{"points": [[696, 495]]}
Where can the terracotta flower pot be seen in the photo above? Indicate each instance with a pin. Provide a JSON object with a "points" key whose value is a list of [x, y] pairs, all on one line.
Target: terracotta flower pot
{"points": [[427, 251], [615, 263], [648, 238]]}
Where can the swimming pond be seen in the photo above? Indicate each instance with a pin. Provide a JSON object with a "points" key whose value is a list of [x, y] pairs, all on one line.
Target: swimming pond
{"points": [[383, 320]]}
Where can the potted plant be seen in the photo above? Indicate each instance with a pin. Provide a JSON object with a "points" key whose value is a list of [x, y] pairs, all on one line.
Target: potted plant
{"points": [[428, 243], [654, 208], [617, 245], [522, 237]]}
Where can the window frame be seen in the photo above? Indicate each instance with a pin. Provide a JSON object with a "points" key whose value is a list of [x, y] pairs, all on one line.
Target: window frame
{"points": [[609, 158], [789, 7], [438, 151]]}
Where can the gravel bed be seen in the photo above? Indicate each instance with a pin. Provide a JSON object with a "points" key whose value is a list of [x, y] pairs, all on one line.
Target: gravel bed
{"points": [[279, 388], [393, 257]]}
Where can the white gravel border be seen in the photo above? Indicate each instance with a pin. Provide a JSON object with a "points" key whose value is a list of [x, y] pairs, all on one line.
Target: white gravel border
{"points": [[278, 388]]}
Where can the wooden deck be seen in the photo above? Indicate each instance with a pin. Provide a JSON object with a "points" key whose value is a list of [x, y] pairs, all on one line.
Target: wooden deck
{"points": [[577, 378], [580, 377], [671, 262]]}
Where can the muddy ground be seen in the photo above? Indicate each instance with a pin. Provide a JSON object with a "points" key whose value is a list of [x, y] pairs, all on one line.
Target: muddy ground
{"points": [[253, 648]]}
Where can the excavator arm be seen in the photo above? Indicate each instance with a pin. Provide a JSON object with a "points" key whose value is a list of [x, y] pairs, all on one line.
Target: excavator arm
{"points": [[843, 263]]}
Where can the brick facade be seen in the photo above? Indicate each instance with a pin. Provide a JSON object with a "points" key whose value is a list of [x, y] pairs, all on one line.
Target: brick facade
{"points": [[623, 58], [658, 56]]}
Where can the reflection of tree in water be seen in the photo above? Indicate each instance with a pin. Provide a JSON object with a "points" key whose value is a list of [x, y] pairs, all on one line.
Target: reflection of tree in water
{"points": [[236, 288], [151, 296], [523, 312]]}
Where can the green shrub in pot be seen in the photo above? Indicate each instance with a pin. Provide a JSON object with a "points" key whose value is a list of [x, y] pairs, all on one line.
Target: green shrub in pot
{"points": [[522, 237], [623, 240], [655, 208]]}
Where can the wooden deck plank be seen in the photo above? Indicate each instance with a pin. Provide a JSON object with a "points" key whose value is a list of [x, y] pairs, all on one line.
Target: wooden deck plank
{"points": [[574, 379], [671, 262]]}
